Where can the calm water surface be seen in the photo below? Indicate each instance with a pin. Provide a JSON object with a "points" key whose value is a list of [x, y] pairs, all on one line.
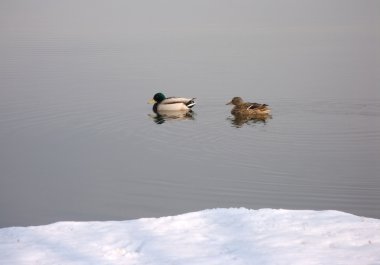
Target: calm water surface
{"points": [[79, 142]]}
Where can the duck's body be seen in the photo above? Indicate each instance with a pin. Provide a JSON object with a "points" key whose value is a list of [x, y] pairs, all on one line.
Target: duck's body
{"points": [[162, 116], [162, 103], [247, 108]]}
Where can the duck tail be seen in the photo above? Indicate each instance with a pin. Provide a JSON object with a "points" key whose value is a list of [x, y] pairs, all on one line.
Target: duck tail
{"points": [[190, 103]]}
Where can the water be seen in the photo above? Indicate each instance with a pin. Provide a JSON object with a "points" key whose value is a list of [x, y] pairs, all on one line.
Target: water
{"points": [[79, 142]]}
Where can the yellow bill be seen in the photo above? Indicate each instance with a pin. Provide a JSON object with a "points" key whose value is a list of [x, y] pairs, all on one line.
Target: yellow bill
{"points": [[151, 101]]}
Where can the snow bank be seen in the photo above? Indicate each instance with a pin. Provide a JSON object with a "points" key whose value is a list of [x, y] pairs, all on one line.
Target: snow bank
{"points": [[219, 236]]}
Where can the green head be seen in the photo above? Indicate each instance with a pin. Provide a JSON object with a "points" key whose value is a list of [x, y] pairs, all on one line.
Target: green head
{"points": [[158, 97]]}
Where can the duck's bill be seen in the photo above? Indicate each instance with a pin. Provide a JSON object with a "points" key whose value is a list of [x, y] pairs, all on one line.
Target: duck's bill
{"points": [[229, 103], [151, 101]]}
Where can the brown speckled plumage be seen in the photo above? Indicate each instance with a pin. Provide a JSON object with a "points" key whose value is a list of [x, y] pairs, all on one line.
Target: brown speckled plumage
{"points": [[247, 108]]}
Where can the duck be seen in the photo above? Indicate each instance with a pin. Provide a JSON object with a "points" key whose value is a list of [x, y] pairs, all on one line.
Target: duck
{"points": [[164, 104], [248, 109]]}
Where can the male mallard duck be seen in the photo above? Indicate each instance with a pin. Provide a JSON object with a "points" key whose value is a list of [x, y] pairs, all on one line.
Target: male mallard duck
{"points": [[162, 103], [247, 108]]}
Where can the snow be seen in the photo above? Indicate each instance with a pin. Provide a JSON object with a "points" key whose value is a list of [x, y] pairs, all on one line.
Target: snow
{"points": [[216, 236]]}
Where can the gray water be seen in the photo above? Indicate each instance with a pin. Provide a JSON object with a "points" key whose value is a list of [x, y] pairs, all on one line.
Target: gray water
{"points": [[78, 140]]}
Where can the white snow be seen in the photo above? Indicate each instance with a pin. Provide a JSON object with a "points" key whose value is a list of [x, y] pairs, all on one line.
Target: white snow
{"points": [[218, 236]]}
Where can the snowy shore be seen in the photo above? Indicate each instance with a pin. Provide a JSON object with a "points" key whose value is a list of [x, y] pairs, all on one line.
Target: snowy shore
{"points": [[217, 236]]}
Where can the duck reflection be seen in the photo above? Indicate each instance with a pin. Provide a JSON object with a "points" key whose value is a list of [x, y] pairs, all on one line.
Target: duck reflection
{"points": [[239, 120], [162, 116]]}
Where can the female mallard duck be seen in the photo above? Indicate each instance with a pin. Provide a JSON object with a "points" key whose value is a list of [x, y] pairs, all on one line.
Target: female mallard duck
{"points": [[247, 108], [162, 103]]}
